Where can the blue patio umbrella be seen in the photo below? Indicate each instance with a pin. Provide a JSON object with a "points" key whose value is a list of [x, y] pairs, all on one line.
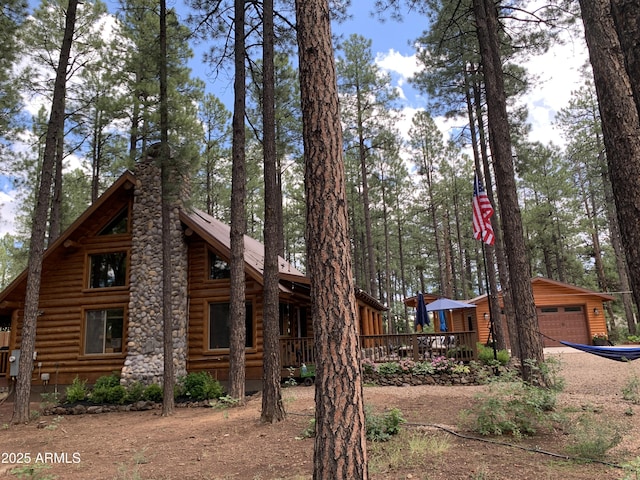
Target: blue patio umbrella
{"points": [[422, 317], [443, 304], [447, 304], [443, 320]]}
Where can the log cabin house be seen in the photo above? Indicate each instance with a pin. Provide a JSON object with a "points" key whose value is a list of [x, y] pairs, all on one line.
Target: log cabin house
{"points": [[100, 297]]}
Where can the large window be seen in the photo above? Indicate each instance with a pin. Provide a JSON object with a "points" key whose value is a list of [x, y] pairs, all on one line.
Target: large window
{"points": [[218, 268], [103, 331], [108, 270], [219, 325]]}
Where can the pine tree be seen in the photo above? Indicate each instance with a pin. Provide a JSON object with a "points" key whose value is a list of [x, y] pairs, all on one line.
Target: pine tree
{"points": [[340, 445]]}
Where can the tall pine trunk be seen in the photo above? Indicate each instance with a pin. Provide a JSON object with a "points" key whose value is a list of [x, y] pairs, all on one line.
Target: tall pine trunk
{"points": [[165, 166], [21, 412], [626, 18], [495, 318], [272, 408], [237, 332], [340, 442], [529, 340], [620, 127]]}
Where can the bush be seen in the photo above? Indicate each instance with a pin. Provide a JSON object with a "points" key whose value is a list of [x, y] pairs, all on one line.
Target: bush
{"points": [[380, 428], [443, 364], [631, 391], [153, 393], [77, 391], [486, 357], [107, 389], [592, 440], [116, 395], [135, 393], [107, 381], [368, 366], [423, 368], [198, 386], [514, 408], [389, 368]]}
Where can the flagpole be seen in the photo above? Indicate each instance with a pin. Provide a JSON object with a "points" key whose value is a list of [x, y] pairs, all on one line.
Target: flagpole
{"points": [[489, 294], [483, 231]]}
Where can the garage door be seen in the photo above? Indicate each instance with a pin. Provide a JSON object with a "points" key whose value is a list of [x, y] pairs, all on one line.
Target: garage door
{"points": [[563, 323]]}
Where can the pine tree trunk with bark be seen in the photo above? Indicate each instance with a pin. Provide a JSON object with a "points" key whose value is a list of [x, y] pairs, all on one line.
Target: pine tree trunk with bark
{"points": [[529, 340], [626, 18], [237, 332], [21, 411], [620, 127], [272, 407], [340, 442], [165, 165]]}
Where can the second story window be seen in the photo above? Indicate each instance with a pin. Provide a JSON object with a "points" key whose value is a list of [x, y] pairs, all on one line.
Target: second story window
{"points": [[108, 270], [218, 268]]}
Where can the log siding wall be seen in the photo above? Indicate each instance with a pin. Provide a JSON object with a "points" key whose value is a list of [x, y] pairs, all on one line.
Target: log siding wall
{"points": [[64, 299], [202, 292]]}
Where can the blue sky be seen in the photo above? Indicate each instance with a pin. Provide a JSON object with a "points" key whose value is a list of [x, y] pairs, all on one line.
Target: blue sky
{"points": [[391, 44]]}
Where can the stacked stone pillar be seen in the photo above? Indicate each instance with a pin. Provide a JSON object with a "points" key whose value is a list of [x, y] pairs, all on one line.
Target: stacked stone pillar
{"points": [[145, 357]]}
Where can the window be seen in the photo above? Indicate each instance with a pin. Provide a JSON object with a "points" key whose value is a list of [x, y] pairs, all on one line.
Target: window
{"points": [[573, 309], [108, 270], [103, 331], [549, 309], [218, 268], [119, 224], [219, 325]]}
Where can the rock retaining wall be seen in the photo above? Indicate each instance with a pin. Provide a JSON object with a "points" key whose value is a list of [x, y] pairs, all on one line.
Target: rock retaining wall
{"points": [[409, 379]]}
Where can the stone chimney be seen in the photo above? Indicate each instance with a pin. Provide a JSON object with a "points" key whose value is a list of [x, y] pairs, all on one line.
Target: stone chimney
{"points": [[145, 357]]}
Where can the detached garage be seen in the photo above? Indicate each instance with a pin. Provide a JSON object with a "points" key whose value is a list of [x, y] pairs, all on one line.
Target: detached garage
{"points": [[565, 312]]}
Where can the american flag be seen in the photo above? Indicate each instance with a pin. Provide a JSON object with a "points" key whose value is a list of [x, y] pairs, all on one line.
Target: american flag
{"points": [[482, 213]]}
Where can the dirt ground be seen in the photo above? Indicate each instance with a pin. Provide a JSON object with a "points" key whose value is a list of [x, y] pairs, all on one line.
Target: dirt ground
{"points": [[217, 444]]}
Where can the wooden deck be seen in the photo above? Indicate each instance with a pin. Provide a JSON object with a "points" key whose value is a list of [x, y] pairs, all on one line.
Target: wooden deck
{"points": [[386, 348]]}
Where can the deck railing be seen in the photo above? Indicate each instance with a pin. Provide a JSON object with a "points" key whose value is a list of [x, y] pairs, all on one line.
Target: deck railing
{"points": [[389, 347]]}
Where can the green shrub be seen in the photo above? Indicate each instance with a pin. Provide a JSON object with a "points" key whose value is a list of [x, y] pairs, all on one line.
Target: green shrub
{"points": [[461, 369], [592, 439], [116, 394], [631, 391], [107, 381], [153, 393], [135, 392], [198, 386], [380, 428], [486, 356], [368, 366], [389, 368], [423, 368], [77, 391], [514, 408], [107, 389]]}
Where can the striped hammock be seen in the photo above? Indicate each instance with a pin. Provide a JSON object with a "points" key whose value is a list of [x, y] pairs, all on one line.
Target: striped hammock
{"points": [[620, 354]]}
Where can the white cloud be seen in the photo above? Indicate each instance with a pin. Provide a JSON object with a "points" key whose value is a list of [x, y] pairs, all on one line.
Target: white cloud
{"points": [[400, 67], [559, 75], [8, 211], [393, 61]]}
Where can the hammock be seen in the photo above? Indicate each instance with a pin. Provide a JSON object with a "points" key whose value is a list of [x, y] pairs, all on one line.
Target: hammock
{"points": [[620, 354]]}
